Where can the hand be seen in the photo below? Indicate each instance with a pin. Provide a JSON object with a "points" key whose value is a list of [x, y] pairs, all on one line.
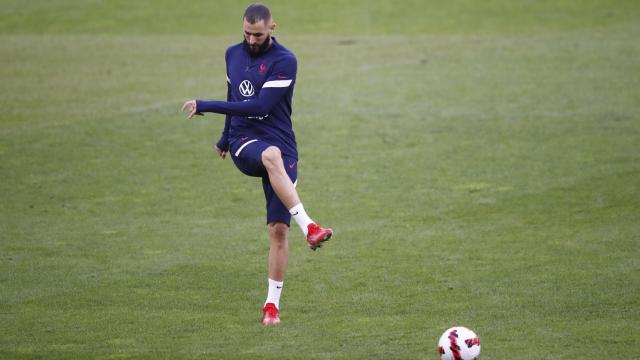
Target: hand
{"points": [[221, 153], [190, 107]]}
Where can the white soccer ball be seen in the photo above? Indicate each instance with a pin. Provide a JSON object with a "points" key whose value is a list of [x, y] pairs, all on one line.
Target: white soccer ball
{"points": [[459, 343]]}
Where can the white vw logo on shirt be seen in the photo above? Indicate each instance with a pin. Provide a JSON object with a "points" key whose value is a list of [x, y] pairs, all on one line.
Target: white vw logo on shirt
{"points": [[246, 88]]}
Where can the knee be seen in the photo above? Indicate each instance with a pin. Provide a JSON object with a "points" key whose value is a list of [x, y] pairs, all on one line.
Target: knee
{"points": [[278, 233], [271, 156]]}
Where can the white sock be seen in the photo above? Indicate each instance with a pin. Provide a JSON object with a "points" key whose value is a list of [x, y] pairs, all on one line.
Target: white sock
{"points": [[301, 217], [275, 289]]}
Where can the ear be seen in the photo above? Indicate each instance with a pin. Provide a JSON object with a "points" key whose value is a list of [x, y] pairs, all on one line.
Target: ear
{"points": [[273, 26]]}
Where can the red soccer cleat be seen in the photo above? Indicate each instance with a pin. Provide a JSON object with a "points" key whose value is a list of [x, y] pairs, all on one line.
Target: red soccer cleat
{"points": [[270, 315], [317, 235]]}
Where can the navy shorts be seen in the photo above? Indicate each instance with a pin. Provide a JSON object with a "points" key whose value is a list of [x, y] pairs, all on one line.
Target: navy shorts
{"points": [[246, 153]]}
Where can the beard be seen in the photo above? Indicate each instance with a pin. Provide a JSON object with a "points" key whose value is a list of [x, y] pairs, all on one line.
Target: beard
{"points": [[257, 50]]}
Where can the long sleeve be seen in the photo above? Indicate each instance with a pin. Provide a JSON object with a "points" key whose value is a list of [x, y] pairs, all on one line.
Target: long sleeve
{"points": [[223, 142], [260, 106]]}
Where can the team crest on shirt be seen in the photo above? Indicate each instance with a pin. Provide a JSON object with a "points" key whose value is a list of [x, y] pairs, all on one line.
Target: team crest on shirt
{"points": [[246, 88]]}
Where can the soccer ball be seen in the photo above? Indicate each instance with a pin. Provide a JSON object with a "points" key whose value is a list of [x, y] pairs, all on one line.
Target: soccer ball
{"points": [[459, 343]]}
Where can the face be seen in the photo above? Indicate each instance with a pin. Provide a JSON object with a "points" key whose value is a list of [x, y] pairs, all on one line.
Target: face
{"points": [[258, 36]]}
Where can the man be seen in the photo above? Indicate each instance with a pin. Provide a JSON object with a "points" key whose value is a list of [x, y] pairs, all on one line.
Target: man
{"points": [[258, 135]]}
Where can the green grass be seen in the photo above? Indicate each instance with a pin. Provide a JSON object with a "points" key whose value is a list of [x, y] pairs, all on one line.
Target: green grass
{"points": [[479, 160]]}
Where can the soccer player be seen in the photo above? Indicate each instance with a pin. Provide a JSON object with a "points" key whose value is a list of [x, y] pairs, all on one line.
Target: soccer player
{"points": [[258, 135]]}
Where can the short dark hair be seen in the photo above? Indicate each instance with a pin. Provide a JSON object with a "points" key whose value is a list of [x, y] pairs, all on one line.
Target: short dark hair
{"points": [[257, 12]]}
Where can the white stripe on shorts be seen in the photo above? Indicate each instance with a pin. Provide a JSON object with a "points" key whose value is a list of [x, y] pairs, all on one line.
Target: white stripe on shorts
{"points": [[243, 145]]}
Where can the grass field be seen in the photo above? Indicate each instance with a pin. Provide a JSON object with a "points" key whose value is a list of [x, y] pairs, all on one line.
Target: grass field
{"points": [[480, 162]]}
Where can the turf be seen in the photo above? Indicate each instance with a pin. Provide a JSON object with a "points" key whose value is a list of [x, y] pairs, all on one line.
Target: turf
{"points": [[479, 161]]}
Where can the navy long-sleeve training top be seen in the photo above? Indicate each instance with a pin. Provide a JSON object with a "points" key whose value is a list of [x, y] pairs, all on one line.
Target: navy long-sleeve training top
{"points": [[259, 94]]}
